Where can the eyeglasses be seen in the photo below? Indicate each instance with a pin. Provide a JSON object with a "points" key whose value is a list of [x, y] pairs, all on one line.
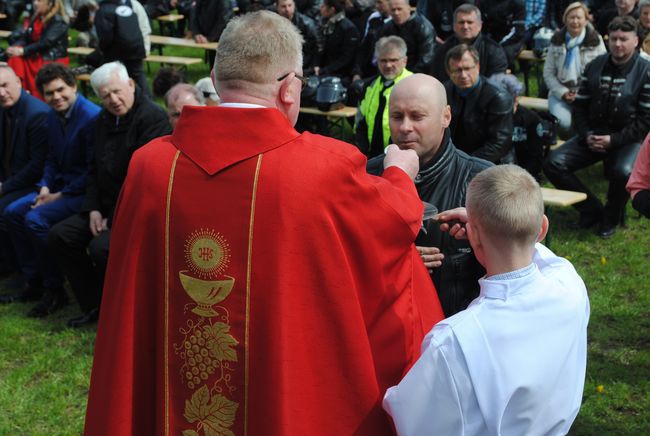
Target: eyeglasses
{"points": [[459, 71], [303, 80]]}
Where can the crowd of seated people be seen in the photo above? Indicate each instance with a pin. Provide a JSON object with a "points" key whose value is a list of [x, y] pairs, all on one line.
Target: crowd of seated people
{"points": [[64, 164], [461, 44]]}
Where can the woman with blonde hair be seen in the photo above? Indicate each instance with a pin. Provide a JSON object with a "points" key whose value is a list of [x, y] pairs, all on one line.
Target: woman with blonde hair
{"points": [[644, 28], [572, 47], [43, 39]]}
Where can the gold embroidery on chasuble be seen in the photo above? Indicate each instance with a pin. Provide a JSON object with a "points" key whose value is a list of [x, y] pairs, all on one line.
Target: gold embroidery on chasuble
{"points": [[208, 311]]}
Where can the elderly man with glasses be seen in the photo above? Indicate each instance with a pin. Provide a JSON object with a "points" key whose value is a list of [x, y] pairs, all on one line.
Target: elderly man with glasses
{"points": [[253, 266]]}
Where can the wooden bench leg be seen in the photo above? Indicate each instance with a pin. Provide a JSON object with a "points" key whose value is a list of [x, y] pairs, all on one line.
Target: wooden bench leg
{"points": [[524, 66]]}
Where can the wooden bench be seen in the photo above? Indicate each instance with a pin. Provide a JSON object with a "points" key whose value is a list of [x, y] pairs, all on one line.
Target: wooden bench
{"points": [[80, 51], [84, 80], [558, 144], [559, 198], [173, 60], [169, 60], [529, 55], [562, 198], [525, 58], [344, 112], [167, 20], [335, 118], [181, 42], [159, 41], [170, 18], [540, 104]]}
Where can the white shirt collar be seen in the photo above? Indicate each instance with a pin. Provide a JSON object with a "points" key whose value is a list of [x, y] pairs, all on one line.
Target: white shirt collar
{"points": [[502, 285], [243, 105]]}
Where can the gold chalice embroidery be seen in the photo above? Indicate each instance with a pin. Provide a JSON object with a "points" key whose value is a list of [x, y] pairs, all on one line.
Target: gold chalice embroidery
{"points": [[208, 347], [207, 254]]}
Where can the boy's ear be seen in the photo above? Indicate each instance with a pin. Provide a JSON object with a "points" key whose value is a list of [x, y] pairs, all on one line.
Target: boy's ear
{"points": [[473, 235], [543, 230]]}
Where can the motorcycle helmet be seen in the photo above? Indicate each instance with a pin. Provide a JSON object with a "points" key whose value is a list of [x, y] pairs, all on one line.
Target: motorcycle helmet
{"points": [[331, 94]]}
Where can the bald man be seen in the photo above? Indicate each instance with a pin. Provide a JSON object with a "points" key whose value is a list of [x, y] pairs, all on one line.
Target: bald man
{"points": [[23, 149], [419, 120], [181, 94], [416, 31]]}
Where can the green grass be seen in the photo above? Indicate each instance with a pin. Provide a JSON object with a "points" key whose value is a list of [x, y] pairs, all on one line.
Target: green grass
{"points": [[44, 373], [45, 367]]}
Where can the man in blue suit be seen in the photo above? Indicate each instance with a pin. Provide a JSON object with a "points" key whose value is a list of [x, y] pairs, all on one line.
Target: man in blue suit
{"points": [[23, 148], [61, 190]]}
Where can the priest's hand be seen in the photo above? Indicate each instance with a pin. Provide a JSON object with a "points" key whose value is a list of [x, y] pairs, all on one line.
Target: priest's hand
{"points": [[98, 223], [431, 256], [406, 160], [453, 221]]}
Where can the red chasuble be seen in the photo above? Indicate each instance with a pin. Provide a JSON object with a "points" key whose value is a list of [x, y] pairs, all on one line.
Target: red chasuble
{"points": [[259, 282]]}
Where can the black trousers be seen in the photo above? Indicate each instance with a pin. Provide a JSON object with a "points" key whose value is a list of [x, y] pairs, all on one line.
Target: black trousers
{"points": [[82, 258], [7, 253], [561, 164], [641, 202]]}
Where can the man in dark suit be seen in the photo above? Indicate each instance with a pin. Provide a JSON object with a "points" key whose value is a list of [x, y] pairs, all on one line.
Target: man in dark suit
{"points": [[60, 192], [23, 148]]}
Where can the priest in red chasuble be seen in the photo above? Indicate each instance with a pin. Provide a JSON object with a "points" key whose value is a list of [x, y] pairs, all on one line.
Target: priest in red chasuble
{"points": [[259, 281]]}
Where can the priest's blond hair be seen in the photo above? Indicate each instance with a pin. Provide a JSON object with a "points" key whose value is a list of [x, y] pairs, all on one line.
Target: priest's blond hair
{"points": [[507, 203], [257, 48]]}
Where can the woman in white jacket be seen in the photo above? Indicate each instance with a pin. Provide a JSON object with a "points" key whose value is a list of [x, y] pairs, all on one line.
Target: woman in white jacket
{"points": [[572, 48]]}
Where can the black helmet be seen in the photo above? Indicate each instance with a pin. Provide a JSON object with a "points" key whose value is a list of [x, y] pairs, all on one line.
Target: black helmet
{"points": [[308, 94], [330, 94], [541, 41]]}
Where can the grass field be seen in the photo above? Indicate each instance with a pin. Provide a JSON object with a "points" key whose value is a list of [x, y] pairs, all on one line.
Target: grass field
{"points": [[45, 367]]}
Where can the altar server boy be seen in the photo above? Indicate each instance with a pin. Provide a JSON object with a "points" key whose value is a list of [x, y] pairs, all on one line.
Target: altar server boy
{"points": [[514, 361]]}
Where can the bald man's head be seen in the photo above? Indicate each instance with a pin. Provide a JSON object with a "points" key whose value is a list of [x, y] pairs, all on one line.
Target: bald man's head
{"points": [[10, 86], [419, 115], [181, 95]]}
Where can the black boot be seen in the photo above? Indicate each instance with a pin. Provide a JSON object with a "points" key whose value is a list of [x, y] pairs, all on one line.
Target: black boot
{"points": [[32, 291], [52, 300], [87, 318], [611, 218]]}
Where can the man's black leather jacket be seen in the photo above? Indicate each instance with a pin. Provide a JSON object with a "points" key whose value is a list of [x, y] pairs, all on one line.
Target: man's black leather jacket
{"points": [[491, 56], [481, 121], [420, 38], [627, 120], [309, 30], [443, 182]]}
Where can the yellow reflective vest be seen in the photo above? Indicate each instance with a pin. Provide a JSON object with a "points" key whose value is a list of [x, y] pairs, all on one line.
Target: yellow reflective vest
{"points": [[370, 104]]}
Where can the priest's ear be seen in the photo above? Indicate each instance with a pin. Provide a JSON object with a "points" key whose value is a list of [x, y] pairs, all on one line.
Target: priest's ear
{"points": [[288, 97], [289, 92]]}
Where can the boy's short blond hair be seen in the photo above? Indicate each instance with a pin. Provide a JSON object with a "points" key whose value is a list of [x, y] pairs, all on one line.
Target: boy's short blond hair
{"points": [[507, 203]]}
